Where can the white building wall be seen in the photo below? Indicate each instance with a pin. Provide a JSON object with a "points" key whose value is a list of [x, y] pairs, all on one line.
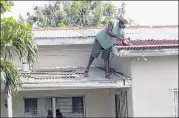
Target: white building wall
{"points": [[121, 64], [3, 108], [64, 55], [152, 81], [75, 55], [98, 102]]}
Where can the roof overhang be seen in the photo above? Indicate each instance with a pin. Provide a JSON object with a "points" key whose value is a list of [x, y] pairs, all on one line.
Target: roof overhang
{"points": [[64, 41], [29, 87], [148, 52], [63, 78]]}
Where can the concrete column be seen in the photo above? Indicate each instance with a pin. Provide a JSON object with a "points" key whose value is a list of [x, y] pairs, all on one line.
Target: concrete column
{"points": [[53, 108], [9, 104]]}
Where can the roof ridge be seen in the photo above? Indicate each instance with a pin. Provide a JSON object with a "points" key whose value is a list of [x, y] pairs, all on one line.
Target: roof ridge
{"points": [[95, 27]]}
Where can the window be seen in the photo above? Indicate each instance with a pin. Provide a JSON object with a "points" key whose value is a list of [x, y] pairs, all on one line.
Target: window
{"points": [[66, 107], [31, 105], [175, 102], [121, 104], [70, 106], [77, 104]]}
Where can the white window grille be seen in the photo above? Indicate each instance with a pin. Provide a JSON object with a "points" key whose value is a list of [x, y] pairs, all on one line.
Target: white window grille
{"points": [[37, 107], [121, 104], [30, 106], [175, 102], [70, 106], [66, 107], [77, 105]]}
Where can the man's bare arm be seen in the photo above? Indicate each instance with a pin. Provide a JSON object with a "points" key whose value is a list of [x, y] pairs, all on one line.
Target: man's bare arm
{"points": [[110, 33], [109, 30]]}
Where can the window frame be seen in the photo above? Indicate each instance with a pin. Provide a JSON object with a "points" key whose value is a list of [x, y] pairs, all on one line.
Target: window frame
{"points": [[175, 102], [56, 97], [77, 109], [31, 102]]}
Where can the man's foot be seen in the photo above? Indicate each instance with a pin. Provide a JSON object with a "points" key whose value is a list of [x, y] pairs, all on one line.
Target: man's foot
{"points": [[107, 76], [86, 73]]}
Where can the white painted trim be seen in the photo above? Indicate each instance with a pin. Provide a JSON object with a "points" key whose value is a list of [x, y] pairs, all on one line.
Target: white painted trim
{"points": [[119, 84], [9, 104], [69, 88], [64, 41], [174, 104], [148, 52], [25, 67], [140, 46], [84, 106], [53, 96], [53, 107]]}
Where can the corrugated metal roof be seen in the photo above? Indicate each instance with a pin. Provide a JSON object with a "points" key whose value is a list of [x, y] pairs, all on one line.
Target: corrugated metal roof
{"points": [[67, 75], [134, 32], [138, 44], [57, 33], [152, 33], [142, 36]]}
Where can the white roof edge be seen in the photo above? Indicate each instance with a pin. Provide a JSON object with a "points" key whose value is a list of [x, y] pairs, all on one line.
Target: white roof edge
{"points": [[71, 41], [148, 52], [29, 88], [64, 41], [87, 85]]}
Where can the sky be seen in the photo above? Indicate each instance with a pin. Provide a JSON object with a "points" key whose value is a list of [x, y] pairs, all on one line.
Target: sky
{"points": [[142, 12]]}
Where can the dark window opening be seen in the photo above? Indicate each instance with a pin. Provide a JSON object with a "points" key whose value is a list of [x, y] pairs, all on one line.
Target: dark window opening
{"points": [[30, 105], [77, 105]]}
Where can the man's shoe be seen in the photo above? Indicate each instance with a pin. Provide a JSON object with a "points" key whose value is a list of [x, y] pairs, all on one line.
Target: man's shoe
{"points": [[107, 76], [86, 73]]}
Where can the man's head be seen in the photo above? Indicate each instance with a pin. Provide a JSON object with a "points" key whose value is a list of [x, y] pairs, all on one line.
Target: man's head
{"points": [[122, 23]]}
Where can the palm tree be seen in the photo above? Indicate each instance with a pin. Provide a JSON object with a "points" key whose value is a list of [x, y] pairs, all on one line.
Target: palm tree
{"points": [[5, 6], [16, 36]]}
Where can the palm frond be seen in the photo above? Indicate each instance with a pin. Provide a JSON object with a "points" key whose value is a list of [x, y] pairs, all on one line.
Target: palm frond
{"points": [[19, 35], [15, 36], [32, 52], [10, 76]]}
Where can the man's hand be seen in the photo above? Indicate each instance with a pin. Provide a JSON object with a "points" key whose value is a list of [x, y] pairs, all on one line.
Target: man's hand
{"points": [[126, 42], [120, 38], [119, 41]]}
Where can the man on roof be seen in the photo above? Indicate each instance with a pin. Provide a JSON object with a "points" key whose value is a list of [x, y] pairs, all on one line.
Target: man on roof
{"points": [[113, 32]]}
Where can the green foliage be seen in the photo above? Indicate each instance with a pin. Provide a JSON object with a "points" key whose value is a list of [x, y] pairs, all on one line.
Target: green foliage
{"points": [[16, 36], [61, 24], [19, 36], [5, 6], [10, 76], [72, 13]]}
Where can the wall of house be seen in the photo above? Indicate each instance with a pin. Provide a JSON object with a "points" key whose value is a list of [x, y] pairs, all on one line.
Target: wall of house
{"points": [[64, 55], [152, 81], [98, 102], [3, 108], [75, 55], [122, 64]]}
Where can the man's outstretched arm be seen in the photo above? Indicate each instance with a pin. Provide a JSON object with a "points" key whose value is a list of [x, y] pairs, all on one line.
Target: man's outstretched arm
{"points": [[110, 33]]}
